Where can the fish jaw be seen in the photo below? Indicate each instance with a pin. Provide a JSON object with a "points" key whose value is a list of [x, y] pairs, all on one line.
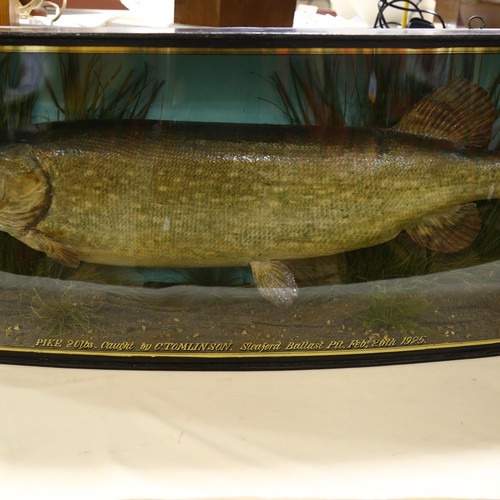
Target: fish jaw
{"points": [[25, 190]]}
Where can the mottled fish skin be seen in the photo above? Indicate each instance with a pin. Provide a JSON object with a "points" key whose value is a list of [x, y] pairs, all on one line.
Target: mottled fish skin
{"points": [[153, 197], [198, 195]]}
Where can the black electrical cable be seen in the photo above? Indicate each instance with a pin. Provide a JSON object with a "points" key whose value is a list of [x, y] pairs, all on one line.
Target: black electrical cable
{"points": [[384, 4], [417, 9], [381, 22]]}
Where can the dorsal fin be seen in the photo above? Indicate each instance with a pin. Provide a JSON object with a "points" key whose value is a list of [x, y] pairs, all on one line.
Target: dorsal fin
{"points": [[461, 112]]}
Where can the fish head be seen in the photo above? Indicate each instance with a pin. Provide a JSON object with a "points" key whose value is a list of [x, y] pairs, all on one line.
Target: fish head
{"points": [[24, 189]]}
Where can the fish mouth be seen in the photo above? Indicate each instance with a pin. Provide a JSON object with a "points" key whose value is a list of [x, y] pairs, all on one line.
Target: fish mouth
{"points": [[25, 199]]}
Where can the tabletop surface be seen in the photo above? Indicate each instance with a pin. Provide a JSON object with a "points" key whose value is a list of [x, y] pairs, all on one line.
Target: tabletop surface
{"points": [[427, 430]]}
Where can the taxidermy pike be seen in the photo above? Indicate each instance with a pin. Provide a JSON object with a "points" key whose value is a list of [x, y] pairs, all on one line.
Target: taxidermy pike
{"points": [[167, 195]]}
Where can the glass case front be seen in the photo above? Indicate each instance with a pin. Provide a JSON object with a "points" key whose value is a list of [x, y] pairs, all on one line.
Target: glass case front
{"points": [[247, 199]]}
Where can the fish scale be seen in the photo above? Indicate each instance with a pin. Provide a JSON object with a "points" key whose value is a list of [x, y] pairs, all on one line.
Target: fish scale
{"points": [[198, 195], [205, 201]]}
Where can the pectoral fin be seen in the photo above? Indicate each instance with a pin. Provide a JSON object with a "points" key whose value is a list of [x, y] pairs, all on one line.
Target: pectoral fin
{"points": [[275, 282], [54, 249], [448, 232]]}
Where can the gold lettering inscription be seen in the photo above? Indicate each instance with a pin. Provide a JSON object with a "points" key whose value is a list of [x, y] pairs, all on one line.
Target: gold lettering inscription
{"points": [[383, 342], [262, 347], [304, 346], [357, 344], [374, 342], [336, 345], [191, 346], [49, 343], [117, 346], [79, 344], [415, 340]]}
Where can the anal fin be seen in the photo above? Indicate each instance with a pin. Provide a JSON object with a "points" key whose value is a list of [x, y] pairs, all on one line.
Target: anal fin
{"points": [[447, 232], [275, 282], [60, 252]]}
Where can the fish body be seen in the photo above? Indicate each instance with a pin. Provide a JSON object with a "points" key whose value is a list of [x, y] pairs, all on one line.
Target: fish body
{"points": [[167, 195], [174, 198]]}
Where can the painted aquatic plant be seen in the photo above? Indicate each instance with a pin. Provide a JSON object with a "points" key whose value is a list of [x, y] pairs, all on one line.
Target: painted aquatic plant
{"points": [[341, 90], [65, 313], [17, 258], [92, 90], [312, 98], [395, 259], [390, 311], [17, 97]]}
